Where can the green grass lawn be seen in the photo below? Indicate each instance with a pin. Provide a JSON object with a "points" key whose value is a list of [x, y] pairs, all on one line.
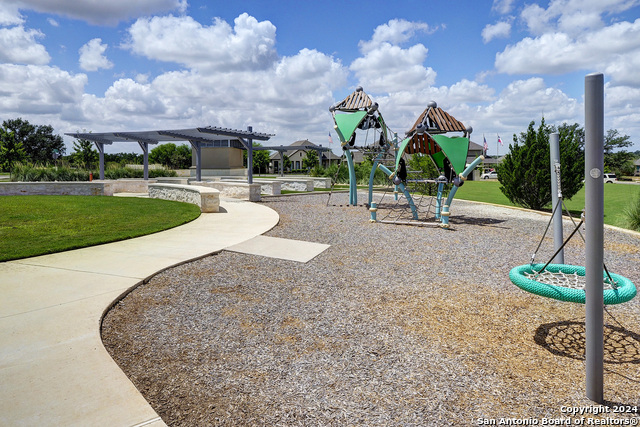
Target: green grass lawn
{"points": [[616, 198], [37, 225]]}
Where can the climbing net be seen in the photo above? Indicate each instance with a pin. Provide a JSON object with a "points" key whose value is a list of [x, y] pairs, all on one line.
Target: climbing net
{"points": [[571, 280], [394, 207]]}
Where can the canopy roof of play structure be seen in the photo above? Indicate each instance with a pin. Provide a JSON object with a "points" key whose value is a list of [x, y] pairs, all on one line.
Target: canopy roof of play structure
{"points": [[423, 137]]}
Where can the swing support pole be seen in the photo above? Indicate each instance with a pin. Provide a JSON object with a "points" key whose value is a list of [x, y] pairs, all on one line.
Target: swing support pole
{"points": [[556, 196], [594, 208]]}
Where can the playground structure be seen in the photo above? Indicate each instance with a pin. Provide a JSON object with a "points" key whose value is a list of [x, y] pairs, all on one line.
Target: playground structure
{"points": [[416, 198]]}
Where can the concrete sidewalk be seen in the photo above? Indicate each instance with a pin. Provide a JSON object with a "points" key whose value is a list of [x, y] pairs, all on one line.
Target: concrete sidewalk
{"points": [[54, 370]]}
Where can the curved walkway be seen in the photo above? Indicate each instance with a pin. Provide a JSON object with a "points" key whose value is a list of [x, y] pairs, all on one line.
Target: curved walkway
{"points": [[54, 369]]}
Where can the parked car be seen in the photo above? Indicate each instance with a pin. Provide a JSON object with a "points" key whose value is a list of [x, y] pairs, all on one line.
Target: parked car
{"points": [[610, 178], [489, 175]]}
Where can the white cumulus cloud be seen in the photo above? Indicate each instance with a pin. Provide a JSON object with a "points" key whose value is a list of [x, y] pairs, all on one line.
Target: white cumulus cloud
{"points": [[10, 15], [557, 52], [248, 45], [395, 32], [18, 45], [500, 29], [385, 66], [290, 98], [34, 89], [573, 17], [502, 6], [92, 56]]}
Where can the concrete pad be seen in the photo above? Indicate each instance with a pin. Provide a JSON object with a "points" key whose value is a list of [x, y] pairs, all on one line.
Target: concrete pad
{"points": [[275, 247]]}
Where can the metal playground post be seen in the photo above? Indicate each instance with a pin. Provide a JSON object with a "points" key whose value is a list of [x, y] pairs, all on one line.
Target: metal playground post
{"points": [[556, 196], [594, 208]]}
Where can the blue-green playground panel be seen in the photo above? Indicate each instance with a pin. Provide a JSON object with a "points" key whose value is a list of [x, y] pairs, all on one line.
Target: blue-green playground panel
{"points": [[625, 290]]}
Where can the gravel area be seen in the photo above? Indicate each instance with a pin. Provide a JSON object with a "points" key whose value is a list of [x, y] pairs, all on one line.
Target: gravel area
{"points": [[392, 325]]}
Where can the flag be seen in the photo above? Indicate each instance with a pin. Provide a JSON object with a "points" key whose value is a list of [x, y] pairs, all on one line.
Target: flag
{"points": [[330, 139], [500, 140], [486, 146]]}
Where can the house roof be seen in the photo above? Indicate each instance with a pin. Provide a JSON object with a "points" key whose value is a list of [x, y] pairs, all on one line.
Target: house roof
{"points": [[301, 145], [475, 147]]}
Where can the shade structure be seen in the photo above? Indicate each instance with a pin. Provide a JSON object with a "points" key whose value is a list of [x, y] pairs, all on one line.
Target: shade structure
{"points": [[206, 136]]}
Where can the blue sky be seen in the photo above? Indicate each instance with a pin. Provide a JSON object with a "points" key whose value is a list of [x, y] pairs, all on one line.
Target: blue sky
{"points": [[279, 65]]}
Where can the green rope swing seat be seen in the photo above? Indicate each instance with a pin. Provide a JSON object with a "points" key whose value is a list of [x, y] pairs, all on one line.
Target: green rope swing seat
{"points": [[566, 283]]}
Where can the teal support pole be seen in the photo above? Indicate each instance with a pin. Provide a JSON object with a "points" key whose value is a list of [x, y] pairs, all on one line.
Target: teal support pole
{"points": [[439, 200], [376, 162], [373, 209], [454, 189], [353, 188], [414, 211]]}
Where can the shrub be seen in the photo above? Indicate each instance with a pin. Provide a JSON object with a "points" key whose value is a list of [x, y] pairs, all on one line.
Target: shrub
{"points": [[317, 170], [632, 213], [524, 173], [30, 173], [338, 176]]}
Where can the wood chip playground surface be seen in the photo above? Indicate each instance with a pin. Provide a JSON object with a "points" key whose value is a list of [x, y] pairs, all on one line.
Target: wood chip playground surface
{"points": [[391, 325]]}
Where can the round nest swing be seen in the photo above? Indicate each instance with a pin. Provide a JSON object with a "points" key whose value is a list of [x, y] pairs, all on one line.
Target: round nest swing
{"points": [[566, 283]]}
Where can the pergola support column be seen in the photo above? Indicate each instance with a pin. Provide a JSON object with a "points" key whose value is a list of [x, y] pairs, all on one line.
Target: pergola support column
{"points": [[100, 147], [282, 163], [197, 151], [145, 157], [250, 157]]}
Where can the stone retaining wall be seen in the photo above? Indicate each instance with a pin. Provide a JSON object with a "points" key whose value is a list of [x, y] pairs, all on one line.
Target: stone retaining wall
{"points": [[319, 182], [64, 188], [236, 190], [208, 199], [173, 180], [270, 187], [132, 185], [297, 184]]}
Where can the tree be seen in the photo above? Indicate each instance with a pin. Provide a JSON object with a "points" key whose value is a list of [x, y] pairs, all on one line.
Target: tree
{"points": [[287, 163], [524, 173], [39, 142], [11, 149], [181, 157], [124, 158], [171, 156], [310, 160], [162, 154], [260, 158], [424, 164], [617, 161], [84, 154]]}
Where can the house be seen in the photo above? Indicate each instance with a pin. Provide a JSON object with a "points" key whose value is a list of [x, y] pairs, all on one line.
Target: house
{"points": [[636, 167], [475, 150], [296, 155]]}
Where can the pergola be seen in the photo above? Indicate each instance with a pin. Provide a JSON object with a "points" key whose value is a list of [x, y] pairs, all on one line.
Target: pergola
{"points": [[198, 137]]}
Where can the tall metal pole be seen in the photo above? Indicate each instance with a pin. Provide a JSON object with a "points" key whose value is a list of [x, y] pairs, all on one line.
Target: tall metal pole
{"points": [[250, 157], [594, 214], [556, 196]]}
